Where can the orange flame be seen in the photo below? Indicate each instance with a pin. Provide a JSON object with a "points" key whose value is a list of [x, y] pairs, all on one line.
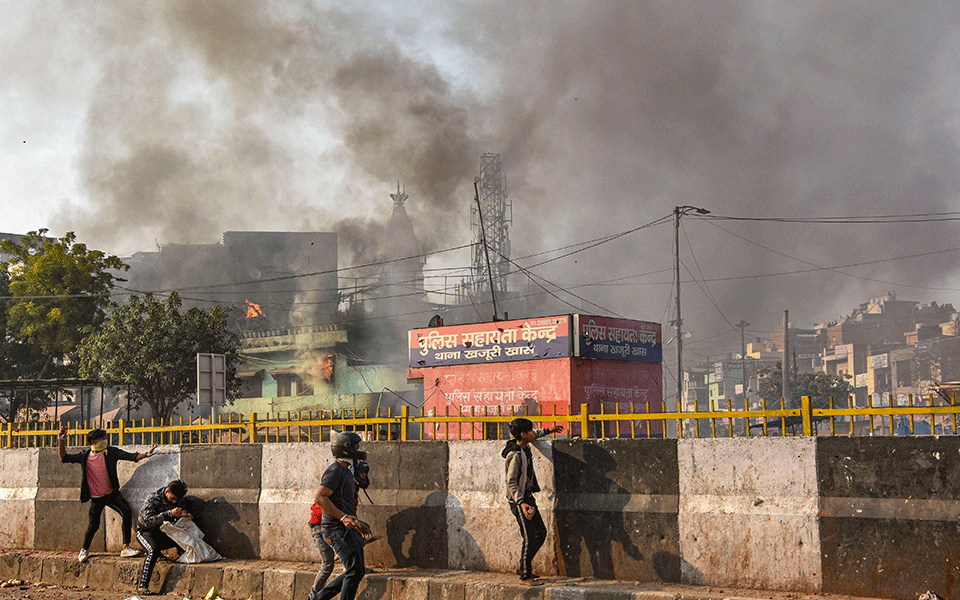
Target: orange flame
{"points": [[253, 310]]}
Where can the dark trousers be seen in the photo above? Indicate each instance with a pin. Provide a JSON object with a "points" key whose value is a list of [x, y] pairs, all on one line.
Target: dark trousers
{"points": [[153, 541], [533, 532], [348, 544], [115, 501]]}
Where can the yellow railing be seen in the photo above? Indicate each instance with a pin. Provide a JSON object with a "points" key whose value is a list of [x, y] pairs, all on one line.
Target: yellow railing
{"points": [[232, 428]]}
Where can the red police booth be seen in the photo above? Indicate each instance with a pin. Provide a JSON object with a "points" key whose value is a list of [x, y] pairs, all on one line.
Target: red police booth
{"points": [[540, 366]]}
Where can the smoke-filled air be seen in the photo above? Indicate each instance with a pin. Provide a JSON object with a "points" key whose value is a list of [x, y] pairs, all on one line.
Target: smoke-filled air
{"points": [[143, 124]]}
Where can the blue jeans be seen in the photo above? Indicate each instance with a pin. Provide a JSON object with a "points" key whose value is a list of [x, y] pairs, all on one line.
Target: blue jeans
{"points": [[326, 555], [348, 544]]}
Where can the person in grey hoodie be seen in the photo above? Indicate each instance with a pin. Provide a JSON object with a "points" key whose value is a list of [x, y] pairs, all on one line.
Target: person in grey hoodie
{"points": [[521, 486]]}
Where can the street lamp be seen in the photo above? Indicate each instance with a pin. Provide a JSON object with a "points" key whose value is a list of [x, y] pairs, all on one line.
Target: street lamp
{"points": [[743, 358], [678, 212]]}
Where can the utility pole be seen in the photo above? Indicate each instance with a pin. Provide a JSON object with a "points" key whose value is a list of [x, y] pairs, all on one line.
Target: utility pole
{"points": [[787, 392], [678, 212], [743, 358]]}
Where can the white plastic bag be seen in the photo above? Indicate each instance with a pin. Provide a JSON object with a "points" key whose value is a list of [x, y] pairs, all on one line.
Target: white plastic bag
{"points": [[189, 537]]}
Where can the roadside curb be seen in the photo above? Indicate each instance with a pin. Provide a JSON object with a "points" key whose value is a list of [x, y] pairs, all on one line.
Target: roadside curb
{"points": [[275, 580]]}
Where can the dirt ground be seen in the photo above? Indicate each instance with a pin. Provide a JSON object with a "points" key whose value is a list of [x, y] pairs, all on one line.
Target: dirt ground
{"points": [[42, 591]]}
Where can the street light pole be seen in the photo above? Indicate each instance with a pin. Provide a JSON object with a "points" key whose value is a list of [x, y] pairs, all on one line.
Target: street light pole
{"points": [[743, 358], [678, 212]]}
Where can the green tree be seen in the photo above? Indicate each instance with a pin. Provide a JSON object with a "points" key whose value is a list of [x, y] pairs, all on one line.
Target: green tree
{"points": [[55, 292], [15, 359], [819, 386], [151, 346], [60, 293]]}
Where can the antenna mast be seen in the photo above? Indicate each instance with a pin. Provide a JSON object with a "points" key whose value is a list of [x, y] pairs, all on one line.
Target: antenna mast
{"points": [[490, 217]]}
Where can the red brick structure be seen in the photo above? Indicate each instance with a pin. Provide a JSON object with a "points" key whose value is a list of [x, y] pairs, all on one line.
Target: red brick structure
{"points": [[541, 366]]}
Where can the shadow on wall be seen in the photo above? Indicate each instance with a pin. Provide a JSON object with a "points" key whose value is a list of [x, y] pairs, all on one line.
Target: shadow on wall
{"points": [[596, 529], [465, 552], [150, 476], [418, 535], [214, 518]]}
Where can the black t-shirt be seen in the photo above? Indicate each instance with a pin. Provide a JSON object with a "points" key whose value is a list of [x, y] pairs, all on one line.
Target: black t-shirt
{"points": [[340, 481]]}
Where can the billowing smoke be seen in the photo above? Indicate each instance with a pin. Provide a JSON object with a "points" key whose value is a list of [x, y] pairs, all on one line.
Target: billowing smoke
{"points": [[623, 110], [233, 114]]}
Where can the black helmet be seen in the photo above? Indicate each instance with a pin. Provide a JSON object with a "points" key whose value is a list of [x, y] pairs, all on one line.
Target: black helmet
{"points": [[344, 444]]}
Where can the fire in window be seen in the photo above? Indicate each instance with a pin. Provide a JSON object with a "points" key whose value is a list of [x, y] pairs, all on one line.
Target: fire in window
{"points": [[328, 368]]}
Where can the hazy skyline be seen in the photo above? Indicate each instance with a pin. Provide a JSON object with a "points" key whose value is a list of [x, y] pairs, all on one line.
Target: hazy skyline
{"points": [[174, 121]]}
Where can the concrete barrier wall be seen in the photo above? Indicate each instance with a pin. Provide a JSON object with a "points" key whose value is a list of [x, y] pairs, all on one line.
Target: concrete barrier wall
{"points": [[616, 509], [482, 532], [224, 483], [748, 513], [18, 496], [890, 515], [290, 477], [863, 516], [408, 487]]}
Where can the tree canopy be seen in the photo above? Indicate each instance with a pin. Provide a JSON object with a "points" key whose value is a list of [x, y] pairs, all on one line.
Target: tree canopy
{"points": [[819, 386], [151, 346], [55, 292]]}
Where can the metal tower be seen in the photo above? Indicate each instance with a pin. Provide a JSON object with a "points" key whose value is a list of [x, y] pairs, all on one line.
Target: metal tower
{"points": [[497, 216]]}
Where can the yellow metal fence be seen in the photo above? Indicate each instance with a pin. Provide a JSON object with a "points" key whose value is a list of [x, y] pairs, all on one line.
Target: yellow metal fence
{"points": [[915, 418]]}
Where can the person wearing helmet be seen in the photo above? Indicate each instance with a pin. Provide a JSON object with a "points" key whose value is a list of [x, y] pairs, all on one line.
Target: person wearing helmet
{"points": [[361, 473], [339, 526]]}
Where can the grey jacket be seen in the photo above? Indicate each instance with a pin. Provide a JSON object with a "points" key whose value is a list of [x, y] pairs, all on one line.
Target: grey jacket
{"points": [[521, 480]]}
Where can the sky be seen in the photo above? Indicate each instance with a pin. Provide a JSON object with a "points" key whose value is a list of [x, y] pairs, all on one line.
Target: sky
{"points": [[809, 130]]}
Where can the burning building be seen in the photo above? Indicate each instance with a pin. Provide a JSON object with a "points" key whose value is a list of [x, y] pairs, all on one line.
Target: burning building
{"points": [[273, 280], [297, 349]]}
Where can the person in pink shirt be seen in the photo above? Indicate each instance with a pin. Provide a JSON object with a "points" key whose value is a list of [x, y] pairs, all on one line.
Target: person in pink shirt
{"points": [[100, 485]]}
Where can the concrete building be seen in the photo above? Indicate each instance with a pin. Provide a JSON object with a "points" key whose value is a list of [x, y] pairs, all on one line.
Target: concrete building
{"points": [[313, 369], [806, 348], [273, 280], [884, 320]]}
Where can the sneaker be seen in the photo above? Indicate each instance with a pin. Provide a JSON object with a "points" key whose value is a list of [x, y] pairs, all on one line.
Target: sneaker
{"points": [[83, 556], [533, 581], [142, 591], [129, 552]]}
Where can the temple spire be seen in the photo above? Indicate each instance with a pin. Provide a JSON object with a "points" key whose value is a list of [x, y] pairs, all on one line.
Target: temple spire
{"points": [[400, 197]]}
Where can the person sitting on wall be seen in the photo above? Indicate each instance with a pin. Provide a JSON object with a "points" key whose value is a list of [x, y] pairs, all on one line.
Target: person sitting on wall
{"points": [[521, 485], [100, 485], [166, 504]]}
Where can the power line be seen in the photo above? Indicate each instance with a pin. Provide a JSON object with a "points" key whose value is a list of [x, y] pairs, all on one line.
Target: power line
{"points": [[847, 220], [705, 288]]}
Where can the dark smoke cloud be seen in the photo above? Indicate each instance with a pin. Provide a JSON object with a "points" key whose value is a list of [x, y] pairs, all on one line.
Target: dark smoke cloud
{"points": [[624, 110], [607, 115], [195, 97]]}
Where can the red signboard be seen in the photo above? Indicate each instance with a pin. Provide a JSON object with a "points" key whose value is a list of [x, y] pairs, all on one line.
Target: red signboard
{"points": [[500, 341]]}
